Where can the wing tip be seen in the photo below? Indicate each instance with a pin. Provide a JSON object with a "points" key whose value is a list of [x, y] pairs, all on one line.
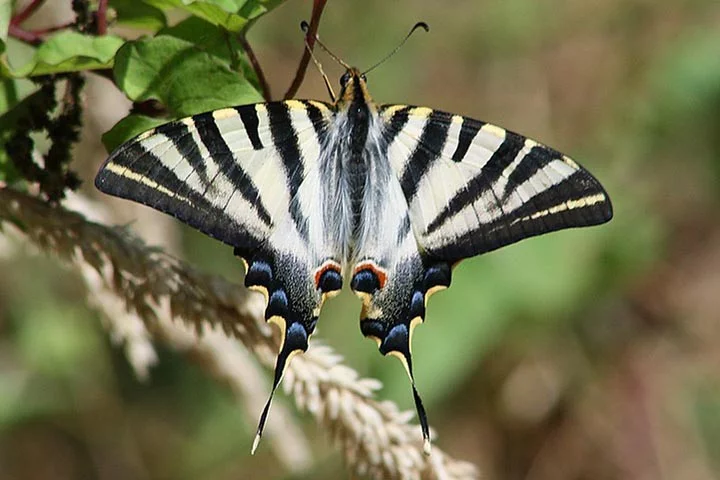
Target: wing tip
{"points": [[256, 443], [101, 179]]}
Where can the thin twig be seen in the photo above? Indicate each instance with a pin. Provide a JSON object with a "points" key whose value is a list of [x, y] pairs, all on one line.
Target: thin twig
{"points": [[102, 17], [26, 12], [264, 86], [33, 37], [318, 6], [18, 32]]}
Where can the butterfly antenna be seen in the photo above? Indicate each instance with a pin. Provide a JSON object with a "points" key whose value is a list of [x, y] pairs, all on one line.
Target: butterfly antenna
{"points": [[304, 26], [422, 25]]}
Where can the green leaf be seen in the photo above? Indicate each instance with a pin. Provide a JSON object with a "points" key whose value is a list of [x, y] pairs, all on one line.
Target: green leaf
{"points": [[217, 42], [133, 13], [12, 90], [72, 52], [182, 77], [127, 128], [205, 36], [232, 15], [16, 53], [8, 173], [5, 14]]}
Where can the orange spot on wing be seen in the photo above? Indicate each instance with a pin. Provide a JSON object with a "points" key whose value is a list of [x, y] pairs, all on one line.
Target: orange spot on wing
{"points": [[328, 265]]}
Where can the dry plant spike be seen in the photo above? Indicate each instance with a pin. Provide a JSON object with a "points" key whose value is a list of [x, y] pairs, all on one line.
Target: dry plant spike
{"points": [[376, 439], [219, 355]]}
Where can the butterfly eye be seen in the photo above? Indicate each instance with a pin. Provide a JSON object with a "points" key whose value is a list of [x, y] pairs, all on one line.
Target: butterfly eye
{"points": [[344, 79], [364, 78]]}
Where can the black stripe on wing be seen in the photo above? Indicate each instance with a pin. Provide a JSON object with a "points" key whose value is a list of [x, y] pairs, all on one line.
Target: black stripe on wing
{"points": [[482, 183], [285, 139], [318, 120], [431, 142], [577, 201], [393, 127], [468, 130], [221, 154], [249, 117], [127, 174], [179, 134], [537, 159]]}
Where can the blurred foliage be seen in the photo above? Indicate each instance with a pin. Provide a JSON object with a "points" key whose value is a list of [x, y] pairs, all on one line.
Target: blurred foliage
{"points": [[582, 354]]}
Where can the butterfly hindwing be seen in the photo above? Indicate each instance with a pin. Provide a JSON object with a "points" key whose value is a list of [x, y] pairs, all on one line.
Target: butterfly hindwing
{"points": [[389, 273], [394, 291], [248, 176]]}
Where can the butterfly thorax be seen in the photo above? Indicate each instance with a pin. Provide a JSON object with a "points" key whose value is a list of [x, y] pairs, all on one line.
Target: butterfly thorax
{"points": [[355, 100], [352, 199]]}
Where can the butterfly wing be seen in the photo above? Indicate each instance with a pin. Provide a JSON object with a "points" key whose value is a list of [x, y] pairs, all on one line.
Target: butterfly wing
{"points": [[461, 188], [247, 176], [472, 187]]}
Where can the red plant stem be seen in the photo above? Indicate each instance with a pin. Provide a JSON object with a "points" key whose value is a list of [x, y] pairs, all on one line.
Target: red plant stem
{"points": [[26, 12], [264, 86], [102, 17], [318, 6], [29, 37]]}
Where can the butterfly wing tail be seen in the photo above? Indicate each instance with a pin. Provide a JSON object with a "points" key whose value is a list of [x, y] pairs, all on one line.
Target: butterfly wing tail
{"points": [[393, 305], [295, 340], [291, 304]]}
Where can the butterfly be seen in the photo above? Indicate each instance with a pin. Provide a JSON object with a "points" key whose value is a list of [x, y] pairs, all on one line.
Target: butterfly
{"points": [[389, 198]]}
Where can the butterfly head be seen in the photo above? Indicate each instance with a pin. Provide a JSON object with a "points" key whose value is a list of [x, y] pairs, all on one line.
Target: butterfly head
{"points": [[353, 88]]}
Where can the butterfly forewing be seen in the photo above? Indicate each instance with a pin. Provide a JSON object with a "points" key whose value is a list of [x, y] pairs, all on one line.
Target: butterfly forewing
{"points": [[473, 187]]}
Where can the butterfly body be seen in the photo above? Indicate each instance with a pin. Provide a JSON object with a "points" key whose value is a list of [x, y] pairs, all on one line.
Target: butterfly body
{"points": [[385, 197]]}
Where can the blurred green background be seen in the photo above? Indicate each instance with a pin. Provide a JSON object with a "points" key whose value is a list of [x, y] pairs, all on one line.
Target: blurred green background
{"points": [[588, 354]]}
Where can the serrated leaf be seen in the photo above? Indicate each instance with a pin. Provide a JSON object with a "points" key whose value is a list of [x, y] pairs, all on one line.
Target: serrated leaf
{"points": [[232, 15], [133, 13], [182, 77], [127, 128], [71, 52]]}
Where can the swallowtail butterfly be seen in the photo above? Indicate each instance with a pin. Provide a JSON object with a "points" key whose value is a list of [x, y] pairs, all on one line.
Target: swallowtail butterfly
{"points": [[388, 197]]}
